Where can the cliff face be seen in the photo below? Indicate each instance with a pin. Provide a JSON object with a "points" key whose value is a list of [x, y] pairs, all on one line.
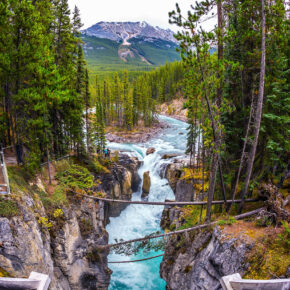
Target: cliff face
{"points": [[66, 250], [200, 260], [62, 251], [120, 184], [196, 260]]}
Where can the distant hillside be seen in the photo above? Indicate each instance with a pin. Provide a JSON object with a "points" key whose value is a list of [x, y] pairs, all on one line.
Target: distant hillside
{"points": [[132, 46]]}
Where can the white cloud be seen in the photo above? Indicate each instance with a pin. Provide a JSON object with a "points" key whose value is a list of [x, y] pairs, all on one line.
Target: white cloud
{"points": [[155, 12]]}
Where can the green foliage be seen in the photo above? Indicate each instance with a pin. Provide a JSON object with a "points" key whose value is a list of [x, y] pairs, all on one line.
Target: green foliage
{"points": [[4, 274], [221, 88], [269, 257], [191, 217], [40, 68], [116, 157], [45, 223], [285, 236], [124, 103], [231, 220], [57, 213], [76, 177], [8, 208], [96, 164], [18, 178]]}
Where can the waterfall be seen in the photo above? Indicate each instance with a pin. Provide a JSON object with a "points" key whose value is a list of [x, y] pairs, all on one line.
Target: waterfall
{"points": [[140, 220]]}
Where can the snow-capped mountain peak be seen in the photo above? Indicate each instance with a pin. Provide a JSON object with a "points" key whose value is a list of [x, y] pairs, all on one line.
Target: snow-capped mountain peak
{"points": [[123, 31]]}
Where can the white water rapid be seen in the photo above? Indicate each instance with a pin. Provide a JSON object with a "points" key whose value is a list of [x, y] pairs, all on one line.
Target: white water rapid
{"points": [[140, 220]]}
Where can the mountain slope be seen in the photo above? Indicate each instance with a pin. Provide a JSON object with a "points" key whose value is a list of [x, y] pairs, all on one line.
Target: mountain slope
{"points": [[123, 31], [131, 46]]}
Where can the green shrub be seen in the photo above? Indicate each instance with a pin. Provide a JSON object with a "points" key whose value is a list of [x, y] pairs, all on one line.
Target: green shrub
{"points": [[116, 157], [191, 215], [8, 208], [285, 236], [4, 273], [59, 197], [76, 177], [229, 221], [269, 257], [19, 178], [62, 165]]}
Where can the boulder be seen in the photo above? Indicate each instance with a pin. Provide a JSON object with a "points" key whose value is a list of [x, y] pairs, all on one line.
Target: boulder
{"points": [[150, 150], [184, 191], [168, 156], [146, 184]]}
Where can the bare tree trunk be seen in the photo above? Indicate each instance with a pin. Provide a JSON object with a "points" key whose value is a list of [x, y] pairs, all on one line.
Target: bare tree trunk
{"points": [[48, 165], [212, 181], [258, 116], [219, 89], [87, 125], [243, 153]]}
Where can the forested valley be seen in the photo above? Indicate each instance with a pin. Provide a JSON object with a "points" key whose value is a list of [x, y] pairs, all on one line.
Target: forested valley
{"points": [[233, 83]]}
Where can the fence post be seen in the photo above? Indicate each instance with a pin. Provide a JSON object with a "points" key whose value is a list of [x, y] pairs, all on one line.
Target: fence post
{"points": [[4, 171]]}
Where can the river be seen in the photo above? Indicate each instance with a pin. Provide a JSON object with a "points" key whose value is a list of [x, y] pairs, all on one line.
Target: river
{"points": [[140, 220]]}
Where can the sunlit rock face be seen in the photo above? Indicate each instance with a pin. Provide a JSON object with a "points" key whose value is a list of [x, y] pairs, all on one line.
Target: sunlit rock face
{"points": [[63, 252]]}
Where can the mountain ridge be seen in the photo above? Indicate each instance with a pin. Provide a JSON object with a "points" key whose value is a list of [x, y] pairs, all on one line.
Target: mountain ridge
{"points": [[124, 31]]}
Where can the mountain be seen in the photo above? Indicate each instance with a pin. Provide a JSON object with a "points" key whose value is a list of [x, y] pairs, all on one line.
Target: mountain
{"points": [[135, 46], [123, 31]]}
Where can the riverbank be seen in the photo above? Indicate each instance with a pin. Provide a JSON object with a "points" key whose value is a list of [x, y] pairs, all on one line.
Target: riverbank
{"points": [[140, 135], [174, 109]]}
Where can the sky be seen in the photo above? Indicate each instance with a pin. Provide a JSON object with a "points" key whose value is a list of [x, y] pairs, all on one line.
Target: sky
{"points": [[155, 12]]}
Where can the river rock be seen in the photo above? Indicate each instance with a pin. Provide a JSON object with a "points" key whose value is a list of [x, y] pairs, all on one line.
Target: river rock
{"points": [[150, 150], [168, 156], [132, 164], [184, 191], [146, 184], [121, 184]]}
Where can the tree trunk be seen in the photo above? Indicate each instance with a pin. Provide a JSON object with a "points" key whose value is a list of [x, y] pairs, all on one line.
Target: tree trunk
{"points": [[243, 153], [258, 116]]}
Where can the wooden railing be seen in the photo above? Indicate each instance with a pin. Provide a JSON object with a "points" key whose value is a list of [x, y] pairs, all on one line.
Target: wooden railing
{"points": [[235, 282], [5, 175], [36, 281], [181, 203]]}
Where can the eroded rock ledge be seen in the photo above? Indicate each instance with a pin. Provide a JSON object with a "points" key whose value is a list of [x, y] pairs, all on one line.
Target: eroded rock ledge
{"points": [[67, 250]]}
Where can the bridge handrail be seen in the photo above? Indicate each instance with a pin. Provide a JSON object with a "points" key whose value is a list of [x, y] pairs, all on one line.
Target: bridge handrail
{"points": [[235, 282], [237, 217], [4, 172], [167, 202]]}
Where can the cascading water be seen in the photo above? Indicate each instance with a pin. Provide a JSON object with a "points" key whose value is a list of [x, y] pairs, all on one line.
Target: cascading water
{"points": [[140, 220]]}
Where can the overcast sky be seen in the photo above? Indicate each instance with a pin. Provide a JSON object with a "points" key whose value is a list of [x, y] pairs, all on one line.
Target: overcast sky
{"points": [[155, 12]]}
